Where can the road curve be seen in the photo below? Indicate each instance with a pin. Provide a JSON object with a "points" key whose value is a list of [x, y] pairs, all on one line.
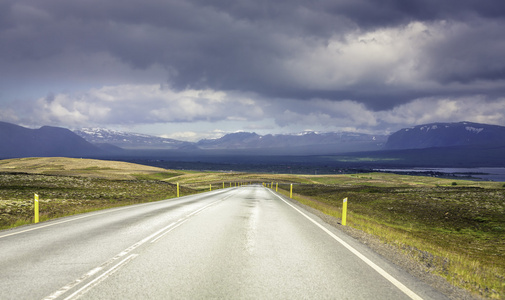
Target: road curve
{"points": [[236, 243]]}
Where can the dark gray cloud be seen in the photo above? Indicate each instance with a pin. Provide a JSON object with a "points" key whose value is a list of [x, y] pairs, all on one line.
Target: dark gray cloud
{"points": [[378, 54], [470, 52]]}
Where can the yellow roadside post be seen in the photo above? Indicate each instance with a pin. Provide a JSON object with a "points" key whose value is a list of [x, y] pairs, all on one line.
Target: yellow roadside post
{"points": [[344, 212], [177, 190], [276, 186], [291, 191], [210, 187], [36, 208], [223, 184]]}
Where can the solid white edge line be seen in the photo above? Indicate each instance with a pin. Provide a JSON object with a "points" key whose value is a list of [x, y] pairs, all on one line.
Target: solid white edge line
{"points": [[381, 271], [88, 215]]}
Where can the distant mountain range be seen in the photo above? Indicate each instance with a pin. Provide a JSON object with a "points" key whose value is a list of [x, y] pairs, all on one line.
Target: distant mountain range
{"points": [[436, 144], [302, 143]]}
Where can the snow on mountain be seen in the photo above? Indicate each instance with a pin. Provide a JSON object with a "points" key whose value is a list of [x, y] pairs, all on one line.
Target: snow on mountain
{"points": [[446, 135], [128, 140], [304, 142], [473, 129]]}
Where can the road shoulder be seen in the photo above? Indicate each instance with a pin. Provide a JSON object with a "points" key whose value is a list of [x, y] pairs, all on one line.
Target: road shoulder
{"points": [[393, 255]]}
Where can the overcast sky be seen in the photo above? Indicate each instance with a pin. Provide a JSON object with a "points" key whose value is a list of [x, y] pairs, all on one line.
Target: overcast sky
{"points": [[191, 69]]}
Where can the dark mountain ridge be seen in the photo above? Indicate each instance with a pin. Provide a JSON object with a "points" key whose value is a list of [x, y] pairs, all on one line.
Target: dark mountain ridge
{"points": [[17, 141], [440, 135], [303, 143]]}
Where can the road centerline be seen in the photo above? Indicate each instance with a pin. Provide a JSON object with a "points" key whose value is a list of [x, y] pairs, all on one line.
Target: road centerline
{"points": [[95, 271], [102, 277]]}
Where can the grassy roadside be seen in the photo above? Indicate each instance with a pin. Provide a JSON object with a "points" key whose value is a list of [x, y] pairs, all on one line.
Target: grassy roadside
{"points": [[454, 228], [69, 186], [68, 195]]}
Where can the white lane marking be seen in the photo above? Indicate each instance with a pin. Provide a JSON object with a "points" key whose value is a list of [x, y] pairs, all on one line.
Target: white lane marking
{"points": [[100, 278], [154, 237], [51, 224], [381, 271], [166, 232], [72, 284], [183, 220], [76, 282], [205, 207], [74, 219], [87, 216]]}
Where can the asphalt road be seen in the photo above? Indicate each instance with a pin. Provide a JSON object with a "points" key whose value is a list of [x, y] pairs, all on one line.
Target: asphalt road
{"points": [[236, 243]]}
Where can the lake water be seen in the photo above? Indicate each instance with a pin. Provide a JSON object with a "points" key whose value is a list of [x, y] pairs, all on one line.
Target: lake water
{"points": [[488, 174]]}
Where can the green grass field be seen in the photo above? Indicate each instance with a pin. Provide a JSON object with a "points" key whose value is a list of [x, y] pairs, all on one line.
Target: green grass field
{"points": [[454, 228]]}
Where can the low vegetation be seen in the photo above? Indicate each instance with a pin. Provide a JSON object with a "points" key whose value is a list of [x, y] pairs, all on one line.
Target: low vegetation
{"points": [[453, 228], [70, 186]]}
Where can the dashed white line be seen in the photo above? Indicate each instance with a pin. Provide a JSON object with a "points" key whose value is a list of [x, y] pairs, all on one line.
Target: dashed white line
{"points": [[153, 238], [166, 232], [73, 284], [100, 278]]}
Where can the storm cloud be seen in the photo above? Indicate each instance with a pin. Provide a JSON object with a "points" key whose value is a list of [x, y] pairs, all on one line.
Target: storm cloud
{"points": [[359, 62]]}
